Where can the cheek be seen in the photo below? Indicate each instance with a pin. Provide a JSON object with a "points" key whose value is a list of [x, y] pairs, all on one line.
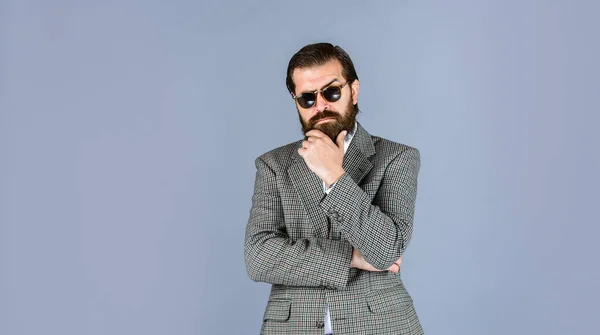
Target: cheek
{"points": [[341, 106], [304, 115]]}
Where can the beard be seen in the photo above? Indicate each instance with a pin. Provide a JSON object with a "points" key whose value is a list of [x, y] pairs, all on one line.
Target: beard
{"points": [[334, 127]]}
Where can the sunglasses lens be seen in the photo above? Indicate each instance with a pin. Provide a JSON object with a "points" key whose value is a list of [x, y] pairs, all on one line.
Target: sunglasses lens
{"points": [[306, 100], [332, 93]]}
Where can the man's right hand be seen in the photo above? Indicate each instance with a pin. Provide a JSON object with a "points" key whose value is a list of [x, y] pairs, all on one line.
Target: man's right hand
{"points": [[359, 262]]}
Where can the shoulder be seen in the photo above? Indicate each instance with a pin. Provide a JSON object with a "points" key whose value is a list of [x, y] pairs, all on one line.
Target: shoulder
{"points": [[281, 157], [391, 149]]}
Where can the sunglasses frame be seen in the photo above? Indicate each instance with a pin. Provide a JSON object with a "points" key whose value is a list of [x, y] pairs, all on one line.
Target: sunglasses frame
{"points": [[317, 92]]}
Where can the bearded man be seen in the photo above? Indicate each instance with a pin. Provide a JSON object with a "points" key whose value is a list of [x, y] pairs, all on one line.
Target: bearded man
{"points": [[332, 214]]}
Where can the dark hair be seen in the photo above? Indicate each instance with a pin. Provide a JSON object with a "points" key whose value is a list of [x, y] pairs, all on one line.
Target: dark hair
{"points": [[318, 54]]}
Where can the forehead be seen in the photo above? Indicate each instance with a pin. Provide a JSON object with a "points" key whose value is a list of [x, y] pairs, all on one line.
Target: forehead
{"points": [[313, 78]]}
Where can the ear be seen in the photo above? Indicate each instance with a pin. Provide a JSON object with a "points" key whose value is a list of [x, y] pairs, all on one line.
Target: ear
{"points": [[355, 86]]}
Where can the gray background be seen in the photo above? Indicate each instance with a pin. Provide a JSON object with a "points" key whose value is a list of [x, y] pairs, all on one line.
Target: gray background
{"points": [[129, 129]]}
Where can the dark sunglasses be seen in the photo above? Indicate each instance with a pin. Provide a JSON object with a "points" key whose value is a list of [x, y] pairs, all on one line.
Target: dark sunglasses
{"points": [[330, 93]]}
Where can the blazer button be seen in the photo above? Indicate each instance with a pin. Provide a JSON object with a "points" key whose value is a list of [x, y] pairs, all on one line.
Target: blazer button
{"points": [[320, 324]]}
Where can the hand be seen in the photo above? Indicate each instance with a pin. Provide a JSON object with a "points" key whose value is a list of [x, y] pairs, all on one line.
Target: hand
{"points": [[359, 262], [322, 156]]}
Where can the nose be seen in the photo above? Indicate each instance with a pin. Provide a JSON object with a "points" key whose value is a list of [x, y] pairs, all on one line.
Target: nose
{"points": [[321, 104]]}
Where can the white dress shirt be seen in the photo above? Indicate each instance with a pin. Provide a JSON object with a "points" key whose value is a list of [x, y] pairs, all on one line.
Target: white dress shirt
{"points": [[347, 141]]}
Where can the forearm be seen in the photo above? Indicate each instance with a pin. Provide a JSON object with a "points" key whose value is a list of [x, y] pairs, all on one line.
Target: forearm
{"points": [[316, 262]]}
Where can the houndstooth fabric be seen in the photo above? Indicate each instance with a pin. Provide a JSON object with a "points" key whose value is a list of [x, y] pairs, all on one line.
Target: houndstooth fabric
{"points": [[300, 240]]}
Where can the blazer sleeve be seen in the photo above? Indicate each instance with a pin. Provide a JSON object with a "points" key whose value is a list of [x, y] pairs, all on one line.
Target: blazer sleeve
{"points": [[380, 229], [272, 257]]}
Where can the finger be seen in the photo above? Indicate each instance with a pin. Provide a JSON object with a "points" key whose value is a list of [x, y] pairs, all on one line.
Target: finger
{"points": [[340, 139], [312, 139], [399, 261], [394, 268], [316, 133]]}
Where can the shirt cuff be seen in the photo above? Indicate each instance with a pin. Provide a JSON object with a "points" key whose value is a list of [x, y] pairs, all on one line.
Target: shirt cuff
{"points": [[330, 188]]}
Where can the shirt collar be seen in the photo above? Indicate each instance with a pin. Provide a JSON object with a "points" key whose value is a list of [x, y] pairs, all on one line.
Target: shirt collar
{"points": [[349, 137]]}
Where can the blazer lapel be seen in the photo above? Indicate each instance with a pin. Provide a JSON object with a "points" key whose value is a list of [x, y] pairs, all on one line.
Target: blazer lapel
{"points": [[356, 160], [310, 187]]}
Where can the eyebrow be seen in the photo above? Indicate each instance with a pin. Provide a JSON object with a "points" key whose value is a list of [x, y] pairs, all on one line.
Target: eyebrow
{"points": [[329, 83], [322, 87]]}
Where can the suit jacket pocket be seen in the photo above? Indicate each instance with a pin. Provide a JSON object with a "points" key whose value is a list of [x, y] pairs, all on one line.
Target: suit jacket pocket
{"points": [[388, 300], [278, 310]]}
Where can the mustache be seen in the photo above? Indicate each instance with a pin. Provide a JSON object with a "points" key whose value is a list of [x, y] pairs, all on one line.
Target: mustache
{"points": [[322, 115]]}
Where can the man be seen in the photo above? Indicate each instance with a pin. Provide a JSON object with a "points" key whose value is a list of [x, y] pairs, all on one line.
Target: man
{"points": [[332, 214]]}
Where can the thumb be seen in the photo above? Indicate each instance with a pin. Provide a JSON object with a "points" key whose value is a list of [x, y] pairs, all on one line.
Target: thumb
{"points": [[340, 139]]}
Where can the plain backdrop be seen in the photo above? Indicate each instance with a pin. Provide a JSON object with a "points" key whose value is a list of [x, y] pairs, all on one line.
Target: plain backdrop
{"points": [[129, 129]]}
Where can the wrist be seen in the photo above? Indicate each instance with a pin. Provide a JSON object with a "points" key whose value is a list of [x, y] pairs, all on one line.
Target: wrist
{"points": [[333, 178]]}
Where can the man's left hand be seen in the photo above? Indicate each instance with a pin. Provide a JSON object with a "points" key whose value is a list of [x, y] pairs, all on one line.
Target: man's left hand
{"points": [[322, 156]]}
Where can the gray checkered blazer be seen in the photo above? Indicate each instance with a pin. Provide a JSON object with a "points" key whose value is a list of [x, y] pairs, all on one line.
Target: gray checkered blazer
{"points": [[300, 240]]}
